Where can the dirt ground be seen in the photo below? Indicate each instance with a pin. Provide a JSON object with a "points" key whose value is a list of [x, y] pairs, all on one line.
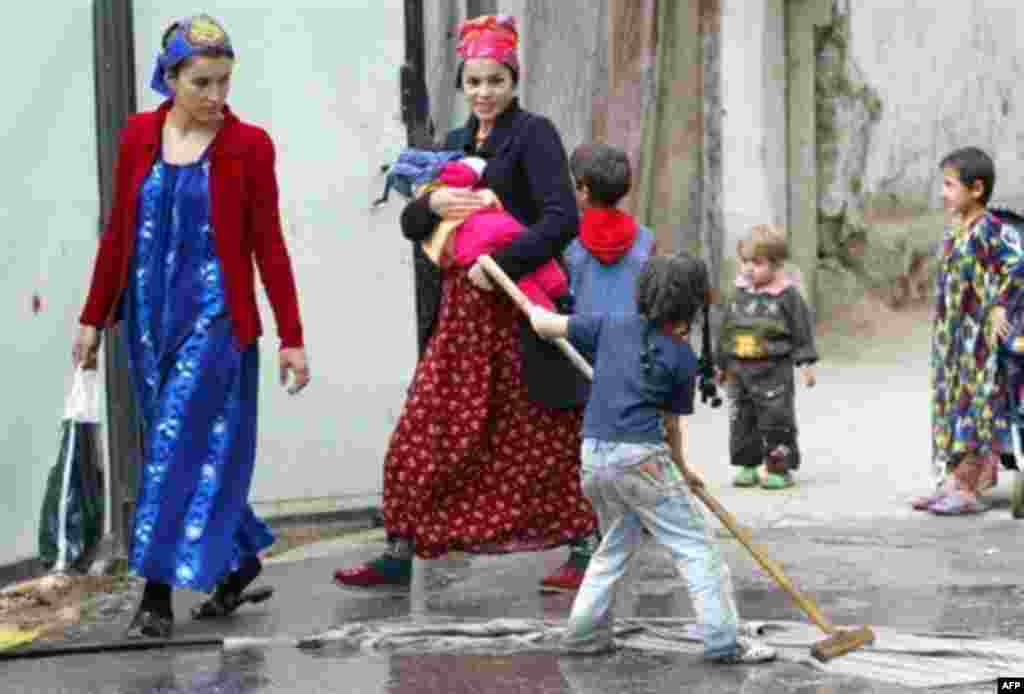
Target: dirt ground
{"points": [[871, 331], [46, 606]]}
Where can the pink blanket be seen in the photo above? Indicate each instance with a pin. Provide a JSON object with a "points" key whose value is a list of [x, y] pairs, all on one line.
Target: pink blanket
{"points": [[489, 230]]}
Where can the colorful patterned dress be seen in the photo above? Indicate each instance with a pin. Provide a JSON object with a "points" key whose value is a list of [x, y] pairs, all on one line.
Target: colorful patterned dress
{"points": [[196, 391], [981, 267]]}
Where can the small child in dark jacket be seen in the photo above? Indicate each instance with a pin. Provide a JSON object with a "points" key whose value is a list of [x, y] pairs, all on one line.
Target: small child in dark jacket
{"points": [[644, 383], [767, 331]]}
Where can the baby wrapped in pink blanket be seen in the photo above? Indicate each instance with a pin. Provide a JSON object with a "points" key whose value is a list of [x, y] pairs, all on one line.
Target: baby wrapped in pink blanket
{"points": [[486, 231]]}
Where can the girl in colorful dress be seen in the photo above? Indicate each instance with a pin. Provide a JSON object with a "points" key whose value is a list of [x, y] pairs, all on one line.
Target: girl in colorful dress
{"points": [[485, 457], [980, 275], [195, 204]]}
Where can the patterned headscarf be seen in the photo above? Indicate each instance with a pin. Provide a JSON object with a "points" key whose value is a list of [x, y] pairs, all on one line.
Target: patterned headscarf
{"points": [[191, 36], [490, 36]]}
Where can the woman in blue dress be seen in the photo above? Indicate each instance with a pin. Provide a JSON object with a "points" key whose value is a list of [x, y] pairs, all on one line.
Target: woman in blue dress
{"points": [[195, 203]]}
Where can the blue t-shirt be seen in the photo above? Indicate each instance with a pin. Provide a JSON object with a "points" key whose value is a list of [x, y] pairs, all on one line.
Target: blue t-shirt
{"points": [[625, 403]]}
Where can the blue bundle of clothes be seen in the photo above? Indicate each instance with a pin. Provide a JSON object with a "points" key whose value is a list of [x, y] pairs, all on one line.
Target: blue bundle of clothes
{"points": [[413, 168]]}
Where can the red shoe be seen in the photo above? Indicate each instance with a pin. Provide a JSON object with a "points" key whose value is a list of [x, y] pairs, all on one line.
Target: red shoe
{"points": [[567, 579], [384, 572]]}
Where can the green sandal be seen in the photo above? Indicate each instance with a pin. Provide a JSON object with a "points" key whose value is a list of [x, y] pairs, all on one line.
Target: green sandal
{"points": [[775, 481], [746, 477]]}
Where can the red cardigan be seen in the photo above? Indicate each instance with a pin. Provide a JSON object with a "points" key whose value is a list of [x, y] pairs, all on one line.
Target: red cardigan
{"points": [[246, 225]]}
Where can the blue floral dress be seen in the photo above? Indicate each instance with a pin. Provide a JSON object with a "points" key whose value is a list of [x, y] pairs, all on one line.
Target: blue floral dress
{"points": [[982, 266], [197, 392]]}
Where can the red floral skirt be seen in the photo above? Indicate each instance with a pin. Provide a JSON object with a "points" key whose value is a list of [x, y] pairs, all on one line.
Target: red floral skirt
{"points": [[473, 464]]}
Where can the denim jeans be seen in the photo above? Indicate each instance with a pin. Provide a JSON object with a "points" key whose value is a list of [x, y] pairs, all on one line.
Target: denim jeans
{"points": [[626, 500]]}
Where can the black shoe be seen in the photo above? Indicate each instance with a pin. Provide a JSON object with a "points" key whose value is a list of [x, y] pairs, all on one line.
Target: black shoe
{"points": [[230, 593], [151, 624], [224, 603]]}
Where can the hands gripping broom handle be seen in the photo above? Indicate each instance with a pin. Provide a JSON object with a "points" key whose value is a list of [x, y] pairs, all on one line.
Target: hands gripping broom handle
{"points": [[773, 569], [524, 304]]}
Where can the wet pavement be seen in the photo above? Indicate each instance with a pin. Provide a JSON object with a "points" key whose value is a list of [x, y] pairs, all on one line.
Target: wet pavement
{"points": [[920, 576], [844, 534]]}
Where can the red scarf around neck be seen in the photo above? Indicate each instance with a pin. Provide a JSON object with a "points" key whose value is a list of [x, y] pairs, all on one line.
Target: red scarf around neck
{"points": [[607, 233]]}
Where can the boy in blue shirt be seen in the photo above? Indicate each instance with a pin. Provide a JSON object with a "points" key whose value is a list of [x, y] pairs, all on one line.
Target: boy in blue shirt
{"points": [[644, 382], [604, 260]]}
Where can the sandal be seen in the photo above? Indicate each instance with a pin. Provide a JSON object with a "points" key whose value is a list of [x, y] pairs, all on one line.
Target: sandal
{"points": [[923, 503], [230, 593], [223, 604], [957, 504]]}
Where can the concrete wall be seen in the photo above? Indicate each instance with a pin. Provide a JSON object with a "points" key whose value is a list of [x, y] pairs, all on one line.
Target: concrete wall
{"points": [[949, 74], [859, 99], [49, 210], [322, 77]]}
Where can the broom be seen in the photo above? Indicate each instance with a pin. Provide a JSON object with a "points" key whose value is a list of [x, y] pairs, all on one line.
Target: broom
{"points": [[839, 641]]}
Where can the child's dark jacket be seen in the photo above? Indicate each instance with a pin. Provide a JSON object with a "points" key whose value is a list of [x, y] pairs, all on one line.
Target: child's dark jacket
{"points": [[767, 324]]}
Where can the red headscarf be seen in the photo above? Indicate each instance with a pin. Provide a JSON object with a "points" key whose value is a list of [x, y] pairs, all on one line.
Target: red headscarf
{"points": [[490, 36]]}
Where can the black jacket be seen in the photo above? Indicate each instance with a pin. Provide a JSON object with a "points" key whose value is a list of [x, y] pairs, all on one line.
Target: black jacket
{"points": [[528, 169]]}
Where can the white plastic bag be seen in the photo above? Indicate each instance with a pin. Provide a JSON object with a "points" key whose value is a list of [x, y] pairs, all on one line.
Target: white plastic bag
{"points": [[83, 402], [73, 513]]}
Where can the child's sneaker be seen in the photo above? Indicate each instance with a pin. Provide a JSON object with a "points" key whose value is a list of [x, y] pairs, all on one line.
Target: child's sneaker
{"points": [[746, 477], [748, 652], [777, 480]]}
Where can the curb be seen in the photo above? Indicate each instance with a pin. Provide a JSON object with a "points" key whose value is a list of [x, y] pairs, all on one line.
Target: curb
{"points": [[360, 517], [356, 517]]}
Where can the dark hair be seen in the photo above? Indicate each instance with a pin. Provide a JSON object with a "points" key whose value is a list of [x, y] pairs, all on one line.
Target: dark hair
{"points": [[462, 65], [208, 52], [672, 288], [972, 165], [604, 170]]}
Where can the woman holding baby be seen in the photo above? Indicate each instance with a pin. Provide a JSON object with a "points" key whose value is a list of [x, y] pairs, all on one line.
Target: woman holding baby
{"points": [[485, 456]]}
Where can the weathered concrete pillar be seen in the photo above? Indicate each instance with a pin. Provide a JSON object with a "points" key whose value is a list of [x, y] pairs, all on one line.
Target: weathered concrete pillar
{"points": [[712, 228], [440, 23], [754, 124], [561, 47], [802, 19], [671, 167], [629, 83]]}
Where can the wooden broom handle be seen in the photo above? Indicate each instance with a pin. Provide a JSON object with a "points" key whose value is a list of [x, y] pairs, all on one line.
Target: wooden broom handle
{"points": [[767, 564], [524, 304]]}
